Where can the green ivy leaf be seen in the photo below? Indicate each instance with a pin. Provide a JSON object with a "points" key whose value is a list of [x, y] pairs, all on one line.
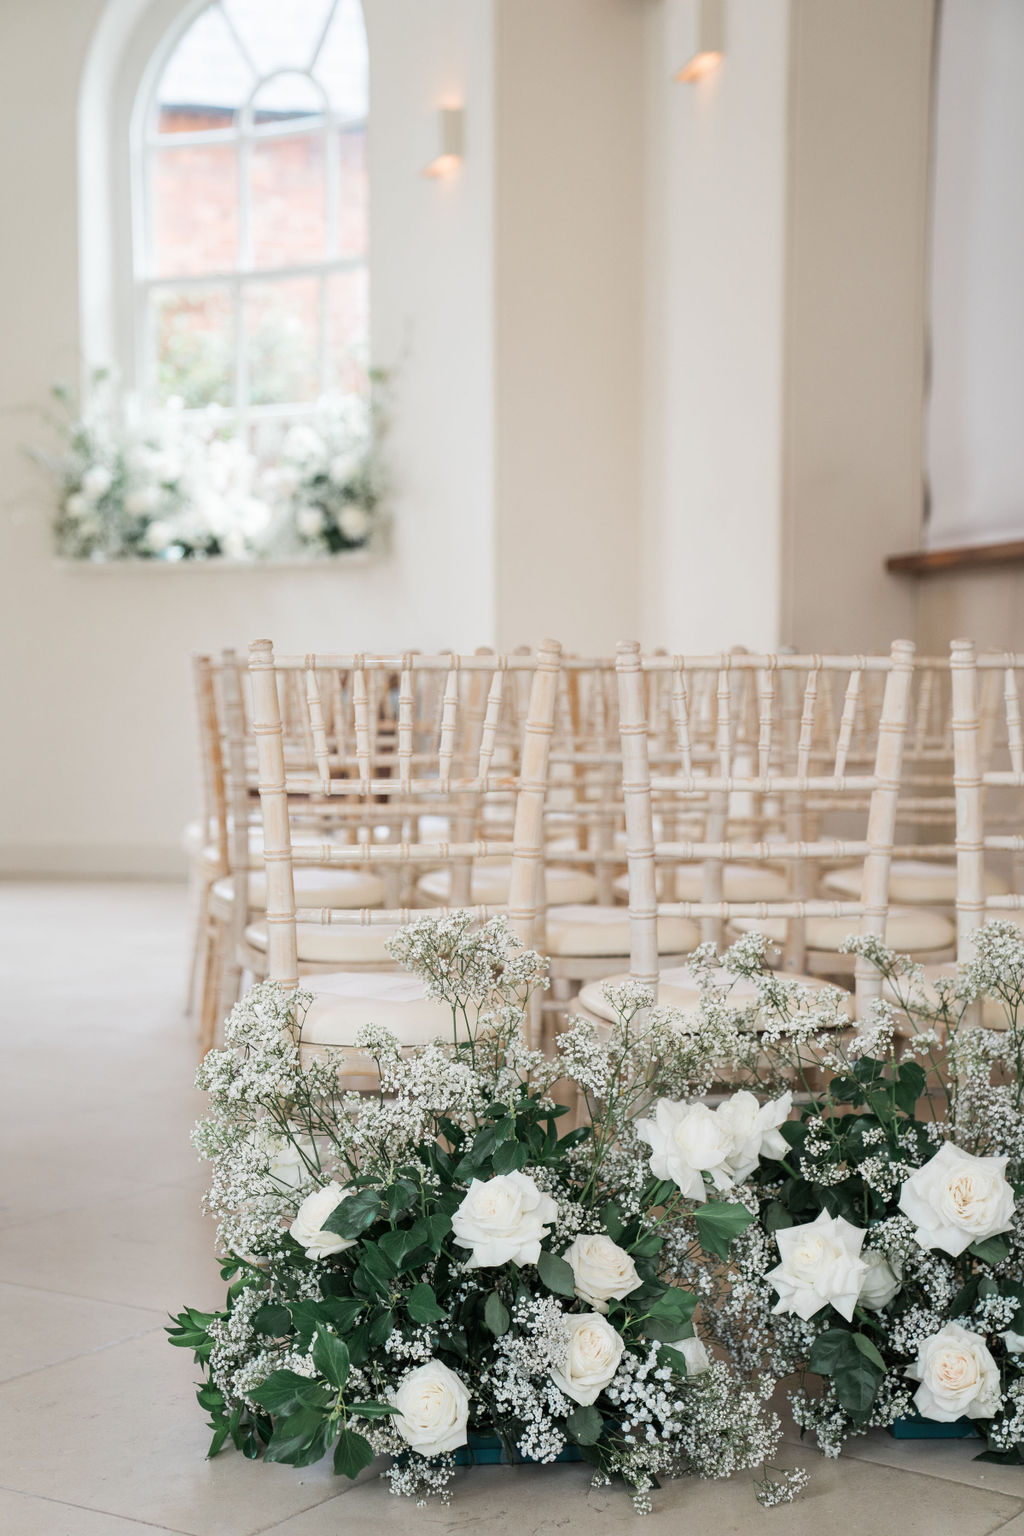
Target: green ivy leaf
{"points": [[371, 1410], [496, 1315], [421, 1304], [830, 1349], [354, 1214], [611, 1220], [992, 1250], [869, 1351], [299, 1439], [718, 1223], [351, 1454], [380, 1328], [284, 1392], [556, 1274], [585, 1425], [272, 1319], [331, 1358]]}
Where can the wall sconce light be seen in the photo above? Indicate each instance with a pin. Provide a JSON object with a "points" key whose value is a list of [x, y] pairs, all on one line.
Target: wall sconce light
{"points": [[710, 42], [448, 142]]}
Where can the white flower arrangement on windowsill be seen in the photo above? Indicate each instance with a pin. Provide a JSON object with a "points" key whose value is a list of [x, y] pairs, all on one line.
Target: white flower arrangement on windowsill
{"points": [[174, 488]]}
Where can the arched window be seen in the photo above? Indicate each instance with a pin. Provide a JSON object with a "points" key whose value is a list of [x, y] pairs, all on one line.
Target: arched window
{"points": [[250, 225]]}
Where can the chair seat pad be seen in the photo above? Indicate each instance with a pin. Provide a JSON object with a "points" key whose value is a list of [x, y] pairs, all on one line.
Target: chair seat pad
{"points": [[993, 1013], [343, 1003], [590, 932], [314, 887], [333, 943], [912, 882], [490, 885], [678, 988], [740, 882], [908, 930]]}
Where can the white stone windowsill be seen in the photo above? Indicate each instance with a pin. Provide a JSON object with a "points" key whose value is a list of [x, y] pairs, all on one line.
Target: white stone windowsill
{"points": [[350, 559]]}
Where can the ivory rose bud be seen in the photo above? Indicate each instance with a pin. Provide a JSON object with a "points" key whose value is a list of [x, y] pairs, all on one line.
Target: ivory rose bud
{"points": [[753, 1130], [957, 1199], [307, 1228], [880, 1283], [434, 1409], [309, 521], [958, 1376], [1014, 1342], [353, 523], [503, 1220], [602, 1270], [591, 1359], [694, 1352], [687, 1141], [96, 482], [821, 1264]]}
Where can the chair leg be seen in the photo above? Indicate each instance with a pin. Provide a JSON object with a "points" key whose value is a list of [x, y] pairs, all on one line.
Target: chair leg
{"points": [[213, 977], [200, 902]]}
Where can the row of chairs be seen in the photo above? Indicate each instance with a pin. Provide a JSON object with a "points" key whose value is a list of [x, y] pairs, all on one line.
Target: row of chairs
{"points": [[617, 811]]}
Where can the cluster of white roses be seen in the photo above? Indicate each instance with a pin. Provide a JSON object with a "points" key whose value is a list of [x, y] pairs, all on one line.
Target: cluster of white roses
{"points": [[955, 1199], [692, 1145], [328, 480]]}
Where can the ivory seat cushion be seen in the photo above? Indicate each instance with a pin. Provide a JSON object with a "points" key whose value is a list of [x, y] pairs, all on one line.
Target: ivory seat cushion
{"points": [[740, 882], [490, 885], [912, 882], [314, 887], [344, 1002], [604, 931], [993, 1014], [333, 943], [908, 930], [678, 988]]}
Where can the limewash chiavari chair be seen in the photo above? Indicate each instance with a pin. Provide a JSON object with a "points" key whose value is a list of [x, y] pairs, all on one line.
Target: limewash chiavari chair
{"points": [[205, 840], [451, 770], [809, 928]]}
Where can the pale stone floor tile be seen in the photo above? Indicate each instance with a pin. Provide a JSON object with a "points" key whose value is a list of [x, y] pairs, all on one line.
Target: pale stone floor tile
{"points": [[949, 1459], [120, 1431], [22, 1515], [546, 1501], [41, 1328]]}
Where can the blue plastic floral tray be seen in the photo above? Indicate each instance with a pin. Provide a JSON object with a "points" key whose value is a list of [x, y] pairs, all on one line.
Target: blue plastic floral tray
{"points": [[917, 1428], [487, 1450]]}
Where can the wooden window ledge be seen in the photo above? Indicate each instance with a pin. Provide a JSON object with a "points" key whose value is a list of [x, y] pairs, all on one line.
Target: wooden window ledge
{"points": [[956, 557]]}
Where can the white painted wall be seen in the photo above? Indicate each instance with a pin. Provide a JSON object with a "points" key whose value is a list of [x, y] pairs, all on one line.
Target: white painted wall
{"points": [[714, 326], [976, 409], [97, 686]]}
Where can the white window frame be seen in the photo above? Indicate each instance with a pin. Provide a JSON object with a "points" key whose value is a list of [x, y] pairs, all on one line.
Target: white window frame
{"points": [[145, 143]]}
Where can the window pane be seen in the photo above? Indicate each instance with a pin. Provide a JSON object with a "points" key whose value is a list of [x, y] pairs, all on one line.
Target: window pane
{"points": [[205, 80], [282, 328], [287, 98], [288, 200], [353, 194], [342, 66], [193, 333], [195, 209], [279, 34], [348, 328]]}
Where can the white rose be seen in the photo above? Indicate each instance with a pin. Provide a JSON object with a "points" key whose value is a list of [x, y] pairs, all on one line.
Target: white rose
{"points": [[353, 523], [341, 468], [503, 1220], [821, 1264], [601, 1269], [880, 1283], [434, 1407], [76, 504], [958, 1376], [957, 1199], [288, 1159], [694, 1352], [753, 1130], [1014, 1341], [591, 1359], [159, 536], [307, 1228], [96, 482], [309, 521], [144, 500], [687, 1141]]}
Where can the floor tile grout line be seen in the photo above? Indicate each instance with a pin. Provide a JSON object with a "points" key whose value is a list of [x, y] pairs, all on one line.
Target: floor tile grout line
{"points": [[99, 1301], [79, 1354], [938, 1477], [96, 1205], [92, 1509]]}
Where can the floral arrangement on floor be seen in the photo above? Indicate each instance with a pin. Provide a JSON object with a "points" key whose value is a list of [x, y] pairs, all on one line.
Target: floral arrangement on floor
{"points": [[182, 486], [166, 488], [330, 481], [885, 1269], [416, 1268]]}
